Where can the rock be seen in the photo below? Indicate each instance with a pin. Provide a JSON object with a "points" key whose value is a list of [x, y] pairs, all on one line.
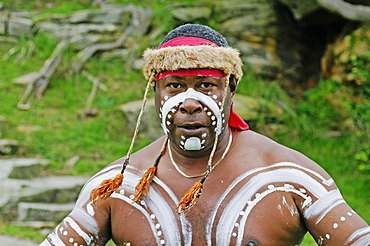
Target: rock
{"points": [[258, 10], [27, 129], [141, 18], [82, 41], [11, 41], [1, 5], [115, 16], [192, 13], [8, 147], [301, 9], [150, 124], [42, 212], [250, 108], [13, 241], [53, 189], [31, 167], [23, 14], [122, 54], [72, 161], [67, 31], [20, 27], [25, 169], [2, 123], [3, 21]]}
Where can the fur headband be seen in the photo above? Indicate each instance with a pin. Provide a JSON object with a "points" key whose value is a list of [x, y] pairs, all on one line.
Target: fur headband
{"points": [[226, 59]]}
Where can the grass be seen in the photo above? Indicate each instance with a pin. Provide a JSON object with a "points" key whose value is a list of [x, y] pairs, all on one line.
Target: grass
{"points": [[62, 133]]}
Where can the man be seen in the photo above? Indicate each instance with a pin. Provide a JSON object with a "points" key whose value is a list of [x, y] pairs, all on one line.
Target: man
{"points": [[213, 182]]}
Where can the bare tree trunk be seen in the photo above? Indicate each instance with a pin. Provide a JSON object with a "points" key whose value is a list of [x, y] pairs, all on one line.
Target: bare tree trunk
{"points": [[39, 81]]}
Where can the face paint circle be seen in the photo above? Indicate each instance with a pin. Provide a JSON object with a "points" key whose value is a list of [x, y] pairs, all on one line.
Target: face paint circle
{"points": [[192, 143]]}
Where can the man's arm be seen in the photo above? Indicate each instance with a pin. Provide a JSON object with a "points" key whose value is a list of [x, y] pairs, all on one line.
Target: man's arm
{"points": [[87, 224], [330, 220]]}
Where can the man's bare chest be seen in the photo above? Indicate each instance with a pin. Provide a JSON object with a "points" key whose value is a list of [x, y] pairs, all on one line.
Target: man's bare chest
{"points": [[239, 214]]}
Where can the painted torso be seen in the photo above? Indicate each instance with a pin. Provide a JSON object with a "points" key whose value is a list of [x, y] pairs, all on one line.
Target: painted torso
{"points": [[251, 198]]}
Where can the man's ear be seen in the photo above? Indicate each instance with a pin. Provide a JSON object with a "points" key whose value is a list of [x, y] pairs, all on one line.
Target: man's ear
{"points": [[155, 85], [232, 84]]}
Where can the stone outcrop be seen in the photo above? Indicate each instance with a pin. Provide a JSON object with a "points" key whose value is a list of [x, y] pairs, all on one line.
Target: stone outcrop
{"points": [[8, 146], [13, 241], [279, 40], [31, 198]]}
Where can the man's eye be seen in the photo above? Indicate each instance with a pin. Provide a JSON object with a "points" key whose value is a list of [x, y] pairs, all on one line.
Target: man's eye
{"points": [[206, 85], [174, 85]]}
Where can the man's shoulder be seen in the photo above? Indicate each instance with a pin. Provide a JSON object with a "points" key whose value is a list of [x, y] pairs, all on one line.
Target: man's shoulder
{"points": [[269, 151]]}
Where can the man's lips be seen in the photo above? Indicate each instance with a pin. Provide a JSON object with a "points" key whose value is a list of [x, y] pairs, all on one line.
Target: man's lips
{"points": [[191, 128]]}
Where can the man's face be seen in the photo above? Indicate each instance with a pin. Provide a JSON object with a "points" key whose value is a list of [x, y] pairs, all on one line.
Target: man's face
{"points": [[189, 110]]}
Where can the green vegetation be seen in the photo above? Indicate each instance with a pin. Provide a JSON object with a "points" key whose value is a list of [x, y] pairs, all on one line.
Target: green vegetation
{"points": [[330, 124]]}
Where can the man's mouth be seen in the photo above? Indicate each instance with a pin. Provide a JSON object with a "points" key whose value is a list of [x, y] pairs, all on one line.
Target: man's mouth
{"points": [[191, 128], [196, 126]]}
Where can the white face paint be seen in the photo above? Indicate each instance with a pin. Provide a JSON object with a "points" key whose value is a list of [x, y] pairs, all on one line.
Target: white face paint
{"points": [[192, 143], [212, 108]]}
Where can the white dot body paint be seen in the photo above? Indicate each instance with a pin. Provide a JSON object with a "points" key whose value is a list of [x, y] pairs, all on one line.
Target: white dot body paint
{"points": [[90, 209], [192, 143]]}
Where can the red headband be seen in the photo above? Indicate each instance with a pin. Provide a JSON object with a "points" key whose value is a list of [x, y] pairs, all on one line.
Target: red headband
{"points": [[204, 72], [187, 41], [234, 120]]}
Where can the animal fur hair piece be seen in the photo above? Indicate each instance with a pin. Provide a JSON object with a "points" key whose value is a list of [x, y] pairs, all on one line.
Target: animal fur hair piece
{"points": [[226, 59]]}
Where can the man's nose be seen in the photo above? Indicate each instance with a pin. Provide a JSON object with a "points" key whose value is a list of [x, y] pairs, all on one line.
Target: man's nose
{"points": [[190, 106]]}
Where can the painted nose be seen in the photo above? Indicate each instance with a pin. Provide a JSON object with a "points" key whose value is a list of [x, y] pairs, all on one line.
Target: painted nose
{"points": [[190, 106]]}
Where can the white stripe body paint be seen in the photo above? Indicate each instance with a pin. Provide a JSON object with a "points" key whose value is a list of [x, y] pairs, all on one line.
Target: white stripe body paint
{"points": [[254, 203], [142, 210], [185, 225], [161, 209], [85, 215], [365, 240], [190, 94], [362, 234], [54, 238], [78, 230], [245, 175], [245, 193], [324, 205], [245, 200], [45, 243]]}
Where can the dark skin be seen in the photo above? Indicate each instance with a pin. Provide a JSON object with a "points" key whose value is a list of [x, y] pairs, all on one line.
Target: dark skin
{"points": [[277, 219]]}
